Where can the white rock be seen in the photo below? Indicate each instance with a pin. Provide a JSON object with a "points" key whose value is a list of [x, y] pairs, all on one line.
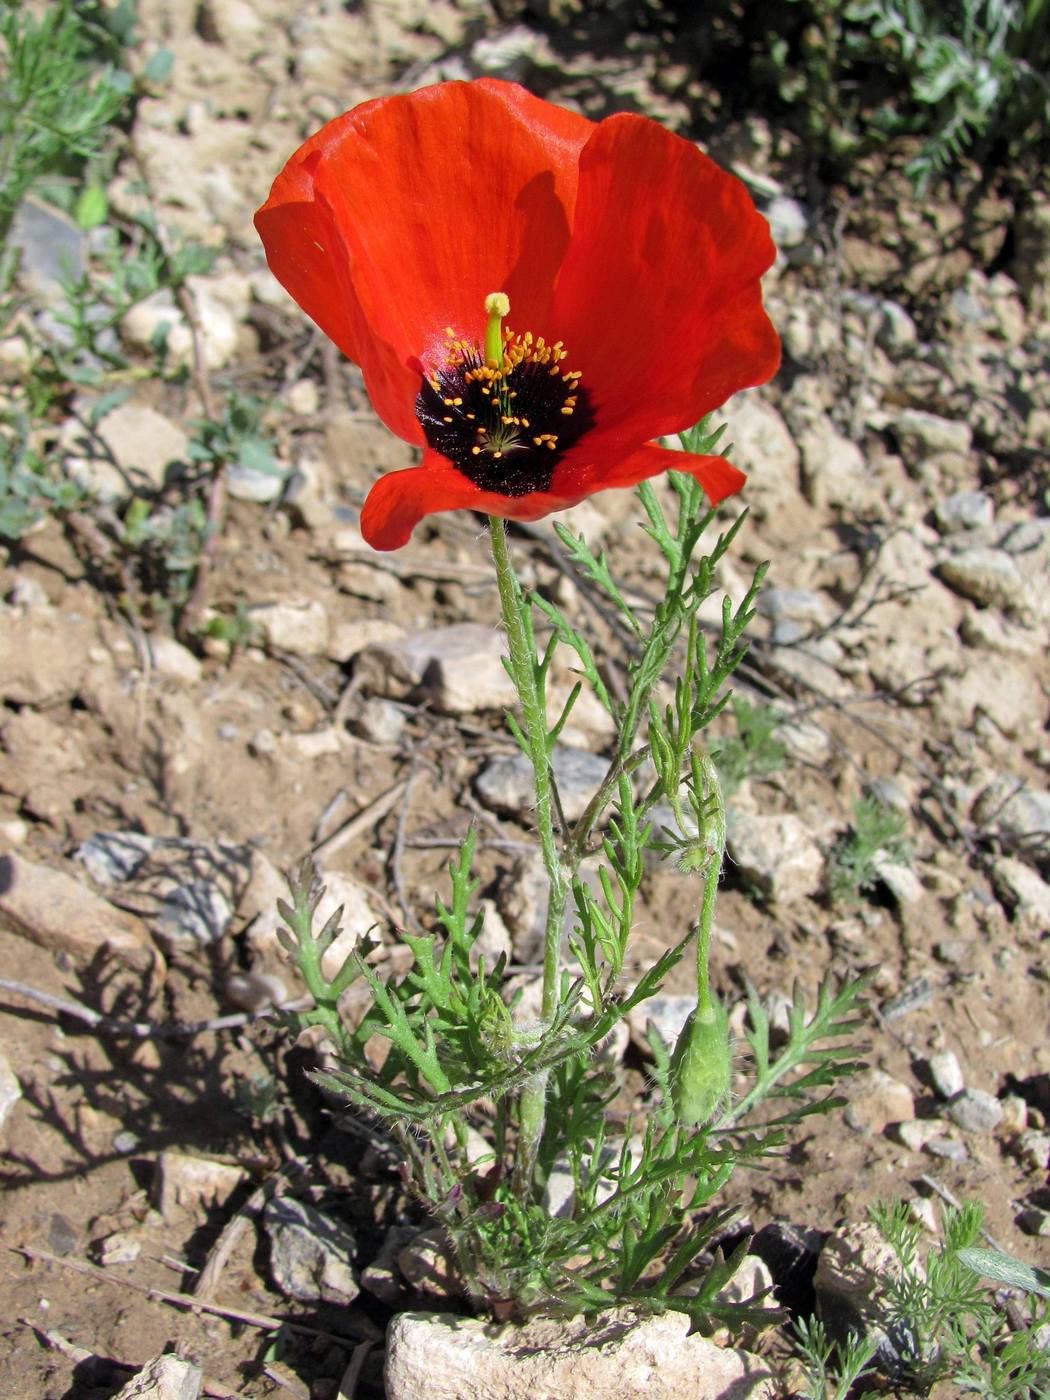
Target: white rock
{"points": [[158, 315], [299, 627], [122, 1247], [172, 659], [460, 667], [507, 783], [666, 1012], [143, 442], [917, 1133], [10, 1089], [614, 1356], [834, 472], [946, 1074], [988, 576], [61, 914], [192, 1184], [380, 721], [351, 636], [975, 1111], [1025, 891], [965, 510], [848, 1280], [311, 1253], [901, 881], [763, 444], [876, 1100], [788, 221], [245, 482], [924, 434], [779, 855], [167, 1377], [426, 1264], [357, 919]]}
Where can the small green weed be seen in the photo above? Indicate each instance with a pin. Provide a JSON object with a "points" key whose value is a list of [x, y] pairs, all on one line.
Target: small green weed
{"points": [[63, 88], [876, 834], [855, 72], [945, 1324], [753, 751]]}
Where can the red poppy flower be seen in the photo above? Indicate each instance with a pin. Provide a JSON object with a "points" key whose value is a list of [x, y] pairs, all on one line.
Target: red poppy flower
{"points": [[630, 261]]}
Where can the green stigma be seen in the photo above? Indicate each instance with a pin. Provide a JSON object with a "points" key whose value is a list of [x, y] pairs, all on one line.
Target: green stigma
{"points": [[497, 305]]}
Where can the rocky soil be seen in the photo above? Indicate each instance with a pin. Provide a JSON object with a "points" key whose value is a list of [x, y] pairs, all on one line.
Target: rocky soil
{"points": [[150, 796]]}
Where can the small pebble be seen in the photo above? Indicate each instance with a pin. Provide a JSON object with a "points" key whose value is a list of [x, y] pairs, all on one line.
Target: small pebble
{"points": [[975, 1111], [948, 1148], [917, 1133], [915, 995], [946, 1074], [1033, 1149], [1015, 1114], [120, 1248], [924, 1211]]}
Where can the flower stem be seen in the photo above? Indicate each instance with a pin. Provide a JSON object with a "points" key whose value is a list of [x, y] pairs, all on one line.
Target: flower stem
{"points": [[528, 681], [713, 834]]}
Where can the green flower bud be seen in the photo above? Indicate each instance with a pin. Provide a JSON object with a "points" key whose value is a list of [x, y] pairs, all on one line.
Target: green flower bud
{"points": [[700, 1066]]}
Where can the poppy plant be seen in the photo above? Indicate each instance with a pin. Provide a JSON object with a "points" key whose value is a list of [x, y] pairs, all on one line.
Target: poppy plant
{"points": [[532, 297]]}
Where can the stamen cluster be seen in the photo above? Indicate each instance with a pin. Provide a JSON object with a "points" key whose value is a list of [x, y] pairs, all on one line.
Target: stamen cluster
{"points": [[505, 425]]}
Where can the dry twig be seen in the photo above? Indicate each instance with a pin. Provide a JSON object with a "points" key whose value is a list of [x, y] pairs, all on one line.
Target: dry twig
{"points": [[365, 1329], [145, 1030]]}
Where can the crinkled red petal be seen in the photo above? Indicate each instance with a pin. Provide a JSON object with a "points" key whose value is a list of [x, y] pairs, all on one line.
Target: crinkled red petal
{"points": [[658, 298], [400, 500]]}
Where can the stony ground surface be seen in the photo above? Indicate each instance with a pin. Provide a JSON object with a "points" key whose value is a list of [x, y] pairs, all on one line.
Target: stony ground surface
{"points": [[150, 797]]}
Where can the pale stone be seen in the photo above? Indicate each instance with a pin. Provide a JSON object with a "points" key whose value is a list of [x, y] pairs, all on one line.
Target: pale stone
{"points": [[346, 639], [143, 440], [59, 913], [876, 1100], [1025, 892], [122, 1247], [426, 1264], [45, 651], [508, 784], [924, 434], [167, 1377], [298, 627], [666, 1012], [946, 1074], [10, 1089], [614, 1356], [192, 1184], [779, 855], [311, 1253], [851, 1295], [917, 1134], [988, 576], [358, 917], [309, 747], [975, 1111], [173, 660], [459, 667], [965, 510]]}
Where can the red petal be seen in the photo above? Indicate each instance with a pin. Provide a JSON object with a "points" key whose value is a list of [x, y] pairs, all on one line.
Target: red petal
{"points": [[400, 500], [397, 219], [658, 299], [718, 477]]}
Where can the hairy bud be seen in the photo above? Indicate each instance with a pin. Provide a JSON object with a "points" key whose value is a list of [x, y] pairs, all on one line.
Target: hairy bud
{"points": [[700, 1066]]}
